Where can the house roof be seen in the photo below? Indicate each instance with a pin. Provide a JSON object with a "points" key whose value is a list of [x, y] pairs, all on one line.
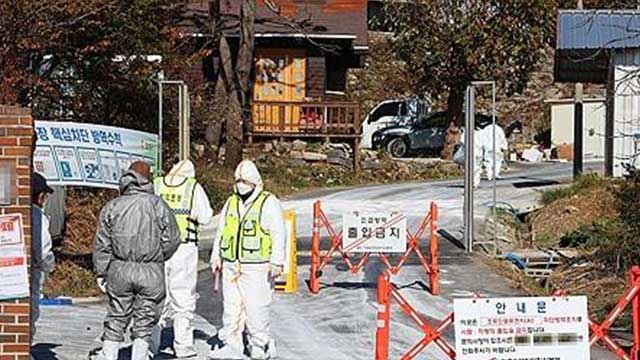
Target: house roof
{"points": [[586, 38], [598, 29], [325, 19]]}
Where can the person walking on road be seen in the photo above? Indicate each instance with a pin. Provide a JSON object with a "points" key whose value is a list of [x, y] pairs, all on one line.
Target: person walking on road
{"points": [[190, 204], [42, 258], [493, 164], [137, 233], [478, 154], [249, 248]]}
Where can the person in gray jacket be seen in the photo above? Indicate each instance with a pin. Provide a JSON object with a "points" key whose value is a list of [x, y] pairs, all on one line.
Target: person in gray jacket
{"points": [[42, 258], [137, 233]]}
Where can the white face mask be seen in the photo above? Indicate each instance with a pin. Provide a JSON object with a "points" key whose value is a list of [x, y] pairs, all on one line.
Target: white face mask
{"points": [[243, 188]]}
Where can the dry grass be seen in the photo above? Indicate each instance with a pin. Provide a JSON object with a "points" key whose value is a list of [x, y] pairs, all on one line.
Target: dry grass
{"points": [[83, 209], [567, 214], [601, 286], [70, 279]]}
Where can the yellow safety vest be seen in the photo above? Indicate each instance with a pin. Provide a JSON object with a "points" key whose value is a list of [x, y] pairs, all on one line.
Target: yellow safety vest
{"points": [[245, 239], [180, 200]]}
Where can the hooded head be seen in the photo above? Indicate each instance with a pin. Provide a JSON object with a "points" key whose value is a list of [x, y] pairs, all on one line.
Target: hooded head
{"points": [[180, 171], [248, 180], [137, 179]]}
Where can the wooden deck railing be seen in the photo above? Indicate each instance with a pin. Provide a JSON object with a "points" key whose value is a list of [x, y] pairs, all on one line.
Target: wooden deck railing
{"points": [[305, 118]]}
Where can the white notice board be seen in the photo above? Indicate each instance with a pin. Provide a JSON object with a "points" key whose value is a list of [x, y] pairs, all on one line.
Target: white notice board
{"points": [[531, 328], [14, 277], [374, 232]]}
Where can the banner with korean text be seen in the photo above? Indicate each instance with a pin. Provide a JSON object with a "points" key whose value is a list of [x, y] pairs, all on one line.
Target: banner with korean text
{"points": [[89, 155], [374, 232]]}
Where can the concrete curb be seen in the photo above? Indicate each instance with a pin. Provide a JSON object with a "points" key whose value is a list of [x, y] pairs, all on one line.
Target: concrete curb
{"points": [[69, 301]]}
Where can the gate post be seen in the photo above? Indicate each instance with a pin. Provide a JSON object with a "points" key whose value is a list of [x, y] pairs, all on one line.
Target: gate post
{"points": [[634, 277], [384, 317], [314, 277], [434, 274]]}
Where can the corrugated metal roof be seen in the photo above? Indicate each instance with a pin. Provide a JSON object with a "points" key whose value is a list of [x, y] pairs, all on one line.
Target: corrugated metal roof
{"points": [[598, 29]]}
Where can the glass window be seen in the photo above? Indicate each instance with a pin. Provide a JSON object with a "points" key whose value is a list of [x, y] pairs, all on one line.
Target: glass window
{"points": [[390, 109], [438, 120]]}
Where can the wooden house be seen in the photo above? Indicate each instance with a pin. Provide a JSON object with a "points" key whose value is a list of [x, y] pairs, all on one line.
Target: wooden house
{"points": [[300, 72]]}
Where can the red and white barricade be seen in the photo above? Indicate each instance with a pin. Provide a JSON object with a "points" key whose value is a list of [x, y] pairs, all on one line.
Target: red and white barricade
{"points": [[387, 292], [320, 260]]}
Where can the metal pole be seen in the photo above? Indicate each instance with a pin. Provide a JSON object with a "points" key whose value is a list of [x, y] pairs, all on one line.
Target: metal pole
{"points": [[160, 128], [495, 170], [180, 130], [187, 122], [578, 124], [469, 167], [578, 133]]}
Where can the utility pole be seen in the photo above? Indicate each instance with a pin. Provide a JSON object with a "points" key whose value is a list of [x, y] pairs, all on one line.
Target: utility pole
{"points": [[578, 128]]}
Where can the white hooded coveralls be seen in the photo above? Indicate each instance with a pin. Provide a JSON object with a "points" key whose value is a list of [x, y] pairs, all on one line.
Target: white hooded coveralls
{"points": [[181, 271], [247, 289], [490, 161], [478, 154]]}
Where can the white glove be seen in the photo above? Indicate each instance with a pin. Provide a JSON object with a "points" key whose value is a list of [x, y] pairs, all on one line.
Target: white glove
{"points": [[216, 264], [275, 270], [102, 284]]}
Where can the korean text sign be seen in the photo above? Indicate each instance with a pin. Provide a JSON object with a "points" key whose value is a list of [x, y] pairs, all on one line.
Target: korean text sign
{"points": [[89, 155], [547, 328], [14, 278], [374, 232]]}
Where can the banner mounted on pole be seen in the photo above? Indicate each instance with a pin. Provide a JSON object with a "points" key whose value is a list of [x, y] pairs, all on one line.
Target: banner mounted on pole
{"points": [[89, 155]]}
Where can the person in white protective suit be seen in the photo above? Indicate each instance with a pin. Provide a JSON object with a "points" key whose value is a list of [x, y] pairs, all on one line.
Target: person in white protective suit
{"points": [[478, 154], [249, 248], [190, 205], [493, 164]]}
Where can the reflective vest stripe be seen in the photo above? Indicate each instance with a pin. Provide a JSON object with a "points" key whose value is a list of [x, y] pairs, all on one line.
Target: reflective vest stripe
{"points": [[245, 239], [180, 200]]}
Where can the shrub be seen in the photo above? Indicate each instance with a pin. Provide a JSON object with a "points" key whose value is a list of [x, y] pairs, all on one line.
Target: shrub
{"points": [[584, 182]]}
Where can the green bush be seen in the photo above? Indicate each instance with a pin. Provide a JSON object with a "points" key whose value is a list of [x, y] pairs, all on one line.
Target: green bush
{"points": [[584, 182], [628, 202]]}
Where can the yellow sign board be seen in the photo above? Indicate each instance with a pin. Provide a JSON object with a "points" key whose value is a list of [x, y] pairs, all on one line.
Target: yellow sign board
{"points": [[288, 282]]}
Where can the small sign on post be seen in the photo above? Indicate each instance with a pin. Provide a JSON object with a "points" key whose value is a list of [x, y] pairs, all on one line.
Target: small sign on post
{"points": [[522, 328], [374, 232]]}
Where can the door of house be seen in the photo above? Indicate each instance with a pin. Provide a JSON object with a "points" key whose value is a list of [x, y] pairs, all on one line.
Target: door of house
{"points": [[279, 84]]}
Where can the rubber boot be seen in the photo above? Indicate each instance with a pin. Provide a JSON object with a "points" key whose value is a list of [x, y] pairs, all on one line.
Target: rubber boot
{"points": [[156, 340], [259, 353], [109, 350], [271, 349], [140, 350], [227, 352], [183, 343]]}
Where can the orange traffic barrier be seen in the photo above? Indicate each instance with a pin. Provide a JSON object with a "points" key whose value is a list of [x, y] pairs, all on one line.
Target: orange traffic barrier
{"points": [[319, 261], [600, 332], [387, 292]]}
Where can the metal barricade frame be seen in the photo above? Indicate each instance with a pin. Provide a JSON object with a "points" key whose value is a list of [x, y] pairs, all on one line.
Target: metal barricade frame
{"points": [[430, 264]]}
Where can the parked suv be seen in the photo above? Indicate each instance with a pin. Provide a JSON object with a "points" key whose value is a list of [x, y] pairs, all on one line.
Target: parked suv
{"points": [[391, 113], [424, 136]]}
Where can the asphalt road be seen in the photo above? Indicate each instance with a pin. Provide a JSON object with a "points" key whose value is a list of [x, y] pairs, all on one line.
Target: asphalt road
{"points": [[339, 323]]}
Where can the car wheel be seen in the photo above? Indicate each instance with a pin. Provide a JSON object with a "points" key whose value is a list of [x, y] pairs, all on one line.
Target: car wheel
{"points": [[397, 147]]}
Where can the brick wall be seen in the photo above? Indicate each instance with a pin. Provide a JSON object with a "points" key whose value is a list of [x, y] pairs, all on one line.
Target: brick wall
{"points": [[16, 136]]}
